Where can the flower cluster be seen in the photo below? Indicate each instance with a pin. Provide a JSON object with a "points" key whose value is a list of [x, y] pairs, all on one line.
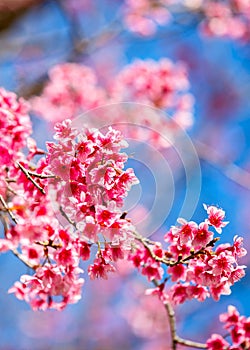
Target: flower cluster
{"points": [[143, 16], [204, 270], [196, 267], [36, 237], [147, 261], [238, 328], [91, 182], [219, 18], [226, 19], [84, 171], [15, 124], [15, 131], [161, 84], [67, 208], [73, 89]]}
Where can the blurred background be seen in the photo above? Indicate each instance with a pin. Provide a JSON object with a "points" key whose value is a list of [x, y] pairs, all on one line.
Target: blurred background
{"points": [[35, 36]]}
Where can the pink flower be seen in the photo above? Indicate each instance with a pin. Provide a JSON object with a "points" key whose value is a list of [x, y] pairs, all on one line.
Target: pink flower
{"points": [[231, 317], [100, 269], [177, 250], [72, 89], [103, 175], [142, 17], [222, 264], [127, 179], [65, 256], [84, 250], [237, 274], [159, 291], [238, 334], [217, 290], [217, 342], [152, 270], [113, 253], [215, 217], [179, 293], [5, 245], [237, 248], [238, 328], [104, 216], [20, 291], [187, 231], [226, 19], [198, 292], [246, 327], [177, 272], [202, 236]]}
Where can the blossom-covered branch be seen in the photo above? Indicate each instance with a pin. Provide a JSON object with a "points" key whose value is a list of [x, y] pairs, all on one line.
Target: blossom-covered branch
{"points": [[69, 204]]}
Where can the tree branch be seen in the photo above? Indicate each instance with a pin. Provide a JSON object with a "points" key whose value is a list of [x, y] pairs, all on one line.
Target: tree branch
{"points": [[27, 263], [146, 243], [172, 324], [66, 217], [28, 175]]}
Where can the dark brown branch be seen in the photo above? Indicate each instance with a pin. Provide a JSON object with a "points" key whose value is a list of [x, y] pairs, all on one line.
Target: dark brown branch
{"points": [[146, 243], [29, 177], [9, 15], [49, 243], [194, 254]]}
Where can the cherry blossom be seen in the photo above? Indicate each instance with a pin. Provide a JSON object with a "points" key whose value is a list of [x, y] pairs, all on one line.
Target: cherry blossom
{"points": [[159, 84], [198, 268], [226, 19], [67, 207], [143, 16], [72, 90], [36, 236], [217, 342], [216, 217], [239, 330]]}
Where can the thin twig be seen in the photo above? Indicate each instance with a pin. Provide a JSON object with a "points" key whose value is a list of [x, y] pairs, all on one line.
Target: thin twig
{"points": [[27, 174], [67, 218], [230, 170], [48, 244], [27, 263], [41, 176], [5, 205], [9, 188], [14, 251], [146, 242], [190, 343], [80, 46], [194, 254]]}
